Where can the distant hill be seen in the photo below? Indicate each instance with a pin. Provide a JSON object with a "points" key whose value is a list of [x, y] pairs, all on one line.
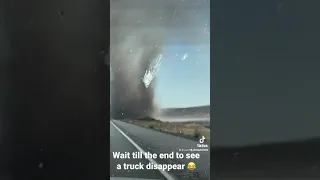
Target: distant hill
{"points": [[202, 111]]}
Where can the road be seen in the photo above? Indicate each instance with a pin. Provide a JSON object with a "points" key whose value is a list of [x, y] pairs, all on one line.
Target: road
{"points": [[132, 138], [119, 143]]}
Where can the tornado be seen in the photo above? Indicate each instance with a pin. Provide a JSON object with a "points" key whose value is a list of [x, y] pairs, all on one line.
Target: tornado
{"points": [[139, 30]]}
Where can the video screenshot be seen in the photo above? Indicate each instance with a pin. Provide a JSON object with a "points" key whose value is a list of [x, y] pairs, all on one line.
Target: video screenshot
{"points": [[134, 79], [160, 90]]}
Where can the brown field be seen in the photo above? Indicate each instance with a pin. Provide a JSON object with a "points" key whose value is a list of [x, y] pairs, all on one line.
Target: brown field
{"points": [[191, 130]]}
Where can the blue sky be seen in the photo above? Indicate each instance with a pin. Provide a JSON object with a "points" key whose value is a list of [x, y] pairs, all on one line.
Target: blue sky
{"points": [[184, 83]]}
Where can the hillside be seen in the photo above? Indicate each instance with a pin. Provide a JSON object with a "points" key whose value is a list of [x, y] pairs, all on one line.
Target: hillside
{"points": [[203, 111]]}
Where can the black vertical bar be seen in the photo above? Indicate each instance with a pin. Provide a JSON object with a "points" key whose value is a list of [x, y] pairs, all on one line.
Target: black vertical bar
{"points": [[266, 90], [57, 96]]}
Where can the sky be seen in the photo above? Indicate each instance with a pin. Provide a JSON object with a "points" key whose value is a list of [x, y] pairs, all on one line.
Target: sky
{"points": [[265, 71], [183, 79]]}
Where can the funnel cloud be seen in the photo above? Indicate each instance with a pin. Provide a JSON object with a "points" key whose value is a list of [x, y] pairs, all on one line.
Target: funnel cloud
{"points": [[139, 30]]}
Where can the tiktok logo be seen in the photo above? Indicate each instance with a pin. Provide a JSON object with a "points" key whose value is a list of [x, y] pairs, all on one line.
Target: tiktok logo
{"points": [[201, 140]]}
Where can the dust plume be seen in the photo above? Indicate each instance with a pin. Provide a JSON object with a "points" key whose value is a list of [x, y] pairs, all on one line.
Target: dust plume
{"points": [[138, 31]]}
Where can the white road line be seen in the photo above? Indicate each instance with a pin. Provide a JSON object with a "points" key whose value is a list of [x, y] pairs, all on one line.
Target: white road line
{"points": [[164, 173]]}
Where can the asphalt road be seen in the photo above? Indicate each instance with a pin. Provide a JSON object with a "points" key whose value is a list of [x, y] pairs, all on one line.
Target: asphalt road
{"points": [[125, 137], [119, 143]]}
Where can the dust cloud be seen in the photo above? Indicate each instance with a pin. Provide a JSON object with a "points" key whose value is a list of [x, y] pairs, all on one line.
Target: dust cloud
{"points": [[139, 29]]}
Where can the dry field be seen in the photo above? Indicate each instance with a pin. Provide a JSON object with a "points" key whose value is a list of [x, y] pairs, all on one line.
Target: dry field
{"points": [[190, 130]]}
